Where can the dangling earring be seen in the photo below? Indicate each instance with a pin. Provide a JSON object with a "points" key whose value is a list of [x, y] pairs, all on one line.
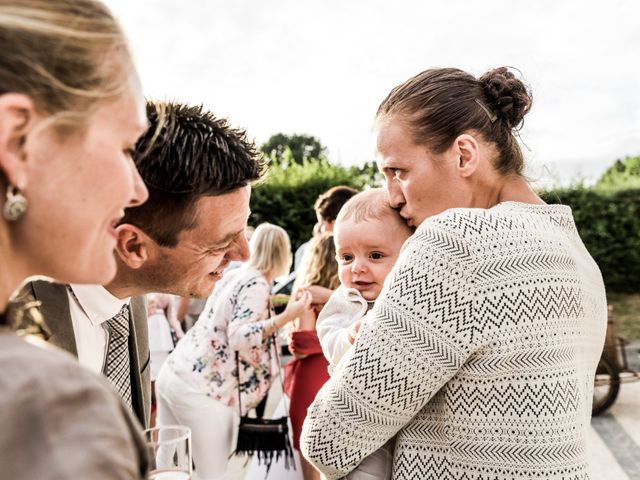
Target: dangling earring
{"points": [[15, 206]]}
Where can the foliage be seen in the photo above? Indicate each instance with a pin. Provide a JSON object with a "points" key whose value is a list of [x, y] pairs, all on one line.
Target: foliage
{"points": [[296, 148], [622, 174], [609, 224], [286, 197], [626, 309]]}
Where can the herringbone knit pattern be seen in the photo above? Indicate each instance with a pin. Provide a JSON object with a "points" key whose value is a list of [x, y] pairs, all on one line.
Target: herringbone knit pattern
{"points": [[480, 354]]}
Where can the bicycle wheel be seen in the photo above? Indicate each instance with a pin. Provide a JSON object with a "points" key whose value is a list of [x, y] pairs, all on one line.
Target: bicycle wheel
{"points": [[606, 385]]}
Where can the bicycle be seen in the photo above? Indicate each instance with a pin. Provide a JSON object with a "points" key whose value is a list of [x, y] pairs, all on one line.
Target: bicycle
{"points": [[612, 371]]}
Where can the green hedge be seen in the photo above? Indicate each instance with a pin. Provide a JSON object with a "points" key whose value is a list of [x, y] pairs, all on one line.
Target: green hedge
{"points": [[286, 197], [609, 225], [608, 220]]}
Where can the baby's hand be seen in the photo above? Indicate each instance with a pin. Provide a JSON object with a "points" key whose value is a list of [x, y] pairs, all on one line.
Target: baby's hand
{"points": [[352, 333]]}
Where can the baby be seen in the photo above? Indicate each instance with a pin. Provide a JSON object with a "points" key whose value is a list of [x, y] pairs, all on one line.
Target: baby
{"points": [[368, 236]]}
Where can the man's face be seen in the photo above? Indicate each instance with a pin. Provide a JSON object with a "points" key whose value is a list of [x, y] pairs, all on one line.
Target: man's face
{"points": [[196, 263]]}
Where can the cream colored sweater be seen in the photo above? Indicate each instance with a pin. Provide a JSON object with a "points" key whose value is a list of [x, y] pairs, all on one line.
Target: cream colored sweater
{"points": [[479, 354]]}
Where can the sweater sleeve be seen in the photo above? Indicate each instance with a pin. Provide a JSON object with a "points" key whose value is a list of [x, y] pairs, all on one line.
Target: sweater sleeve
{"points": [[413, 342]]}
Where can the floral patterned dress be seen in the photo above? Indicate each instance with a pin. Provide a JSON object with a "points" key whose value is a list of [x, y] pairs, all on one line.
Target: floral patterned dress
{"points": [[232, 321]]}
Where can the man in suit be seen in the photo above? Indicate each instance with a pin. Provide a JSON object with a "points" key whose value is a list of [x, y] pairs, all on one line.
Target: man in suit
{"points": [[198, 171], [56, 304]]}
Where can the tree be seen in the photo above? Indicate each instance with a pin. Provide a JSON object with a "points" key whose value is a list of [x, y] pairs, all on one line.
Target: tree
{"points": [[368, 174], [287, 195], [300, 147], [622, 174]]}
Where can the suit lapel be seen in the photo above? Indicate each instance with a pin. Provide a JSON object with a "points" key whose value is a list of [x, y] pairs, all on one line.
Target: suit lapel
{"points": [[56, 313]]}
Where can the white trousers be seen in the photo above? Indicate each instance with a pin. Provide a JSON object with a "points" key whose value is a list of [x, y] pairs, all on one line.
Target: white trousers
{"points": [[214, 426]]}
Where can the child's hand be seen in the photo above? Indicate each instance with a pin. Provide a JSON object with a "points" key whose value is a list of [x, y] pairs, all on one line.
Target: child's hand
{"points": [[352, 333], [319, 294], [299, 303]]}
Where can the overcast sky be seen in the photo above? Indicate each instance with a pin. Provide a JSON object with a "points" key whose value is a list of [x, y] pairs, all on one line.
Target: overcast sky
{"points": [[322, 67]]}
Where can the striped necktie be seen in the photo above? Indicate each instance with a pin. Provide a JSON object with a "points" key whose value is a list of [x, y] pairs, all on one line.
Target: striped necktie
{"points": [[117, 367]]}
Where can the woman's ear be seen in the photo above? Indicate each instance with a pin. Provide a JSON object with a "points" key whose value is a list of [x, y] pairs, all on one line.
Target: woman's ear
{"points": [[133, 245], [468, 151], [18, 118]]}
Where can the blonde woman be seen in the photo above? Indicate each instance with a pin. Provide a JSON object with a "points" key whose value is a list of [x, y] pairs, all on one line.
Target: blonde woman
{"points": [[70, 112], [306, 374], [198, 384]]}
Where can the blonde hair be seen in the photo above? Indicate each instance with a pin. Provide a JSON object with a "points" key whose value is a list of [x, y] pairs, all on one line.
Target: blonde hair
{"points": [[371, 204], [66, 55], [320, 266], [270, 250]]}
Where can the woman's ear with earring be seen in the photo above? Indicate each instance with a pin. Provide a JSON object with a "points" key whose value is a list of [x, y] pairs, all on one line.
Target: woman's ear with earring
{"points": [[18, 118], [15, 204]]}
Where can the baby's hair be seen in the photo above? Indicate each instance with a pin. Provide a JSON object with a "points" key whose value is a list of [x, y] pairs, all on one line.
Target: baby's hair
{"points": [[371, 204]]}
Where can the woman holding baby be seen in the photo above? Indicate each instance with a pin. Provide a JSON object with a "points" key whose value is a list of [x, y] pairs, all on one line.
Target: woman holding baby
{"points": [[479, 353]]}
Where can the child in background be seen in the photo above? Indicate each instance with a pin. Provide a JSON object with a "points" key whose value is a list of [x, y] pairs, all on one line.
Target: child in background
{"points": [[368, 236], [306, 374]]}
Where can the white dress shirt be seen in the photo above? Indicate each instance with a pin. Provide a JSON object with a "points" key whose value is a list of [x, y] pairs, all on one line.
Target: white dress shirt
{"points": [[90, 307]]}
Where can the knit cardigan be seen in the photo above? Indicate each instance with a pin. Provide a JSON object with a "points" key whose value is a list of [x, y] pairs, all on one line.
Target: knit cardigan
{"points": [[479, 354]]}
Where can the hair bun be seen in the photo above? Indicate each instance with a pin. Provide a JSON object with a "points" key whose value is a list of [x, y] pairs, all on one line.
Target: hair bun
{"points": [[506, 95]]}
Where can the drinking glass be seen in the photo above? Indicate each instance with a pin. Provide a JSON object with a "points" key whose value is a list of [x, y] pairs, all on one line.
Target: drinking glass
{"points": [[169, 450]]}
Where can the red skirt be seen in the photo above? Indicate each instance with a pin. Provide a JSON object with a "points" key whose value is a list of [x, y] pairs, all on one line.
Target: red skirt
{"points": [[304, 378]]}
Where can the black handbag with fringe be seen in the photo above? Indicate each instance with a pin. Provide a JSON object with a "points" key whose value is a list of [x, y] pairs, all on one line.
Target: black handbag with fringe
{"points": [[268, 438]]}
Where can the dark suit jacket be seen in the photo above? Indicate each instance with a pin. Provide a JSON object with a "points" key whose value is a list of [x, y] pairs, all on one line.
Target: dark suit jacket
{"points": [[55, 310]]}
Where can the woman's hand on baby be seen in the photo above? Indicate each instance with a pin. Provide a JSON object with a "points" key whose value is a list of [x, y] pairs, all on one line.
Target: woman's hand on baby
{"points": [[352, 333], [299, 303]]}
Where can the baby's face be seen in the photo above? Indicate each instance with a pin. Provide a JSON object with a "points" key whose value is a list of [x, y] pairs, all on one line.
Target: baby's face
{"points": [[366, 253]]}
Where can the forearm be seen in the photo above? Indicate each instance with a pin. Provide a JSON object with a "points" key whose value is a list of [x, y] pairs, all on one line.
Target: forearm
{"points": [[273, 325], [183, 304], [373, 393], [175, 325], [329, 424]]}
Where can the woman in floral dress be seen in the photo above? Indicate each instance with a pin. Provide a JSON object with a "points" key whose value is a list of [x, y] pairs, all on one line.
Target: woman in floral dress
{"points": [[198, 384]]}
